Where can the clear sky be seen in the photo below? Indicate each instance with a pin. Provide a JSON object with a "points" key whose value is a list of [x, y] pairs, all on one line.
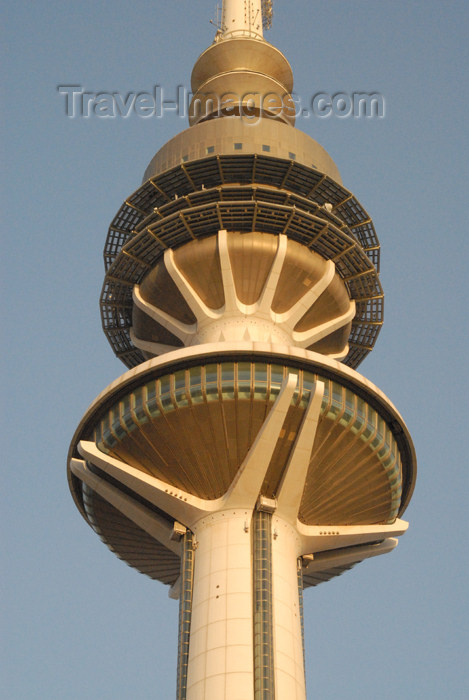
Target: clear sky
{"points": [[78, 623]]}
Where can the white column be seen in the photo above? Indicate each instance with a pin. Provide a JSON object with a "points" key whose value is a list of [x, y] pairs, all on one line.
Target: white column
{"points": [[242, 18], [221, 646], [288, 643]]}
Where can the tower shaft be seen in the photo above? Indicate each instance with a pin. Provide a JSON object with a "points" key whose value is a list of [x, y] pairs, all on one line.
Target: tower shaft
{"points": [[242, 18], [242, 458], [243, 580], [243, 554]]}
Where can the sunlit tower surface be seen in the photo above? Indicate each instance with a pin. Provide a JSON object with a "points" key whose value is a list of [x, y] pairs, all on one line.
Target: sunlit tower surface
{"points": [[242, 459]]}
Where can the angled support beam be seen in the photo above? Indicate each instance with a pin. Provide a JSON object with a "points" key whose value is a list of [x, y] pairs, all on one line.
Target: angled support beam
{"points": [[180, 505], [149, 346], [229, 288], [200, 310], [305, 338], [184, 507], [293, 483], [183, 331], [244, 491], [340, 355], [316, 538], [298, 310], [142, 517], [346, 556], [264, 304]]}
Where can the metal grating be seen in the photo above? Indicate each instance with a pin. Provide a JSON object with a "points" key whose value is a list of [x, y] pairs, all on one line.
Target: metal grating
{"points": [[147, 246], [242, 192], [217, 170]]}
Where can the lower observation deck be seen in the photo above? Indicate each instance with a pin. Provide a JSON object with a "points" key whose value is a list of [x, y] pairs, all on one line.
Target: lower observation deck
{"points": [[241, 193], [189, 419]]}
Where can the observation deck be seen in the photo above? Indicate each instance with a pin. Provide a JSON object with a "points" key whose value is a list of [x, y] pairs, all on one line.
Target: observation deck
{"points": [[242, 189], [190, 418]]}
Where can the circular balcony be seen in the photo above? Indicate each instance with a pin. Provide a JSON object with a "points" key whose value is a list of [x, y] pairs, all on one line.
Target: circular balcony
{"points": [[189, 420]]}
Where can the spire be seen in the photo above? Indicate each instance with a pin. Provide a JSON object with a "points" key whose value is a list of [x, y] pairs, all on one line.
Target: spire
{"points": [[241, 74], [242, 18]]}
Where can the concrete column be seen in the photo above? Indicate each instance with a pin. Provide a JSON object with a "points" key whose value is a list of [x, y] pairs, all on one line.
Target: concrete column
{"points": [[288, 643], [221, 639], [221, 654]]}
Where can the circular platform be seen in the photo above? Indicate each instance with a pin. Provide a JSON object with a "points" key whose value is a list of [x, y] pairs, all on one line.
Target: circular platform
{"points": [[189, 420]]}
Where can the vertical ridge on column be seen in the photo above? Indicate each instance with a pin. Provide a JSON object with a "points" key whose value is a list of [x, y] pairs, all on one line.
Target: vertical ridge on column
{"points": [[300, 602], [185, 612], [264, 683]]}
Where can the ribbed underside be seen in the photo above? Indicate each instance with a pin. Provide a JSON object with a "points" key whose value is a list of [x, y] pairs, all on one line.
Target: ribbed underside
{"points": [[193, 428], [129, 542], [134, 546]]}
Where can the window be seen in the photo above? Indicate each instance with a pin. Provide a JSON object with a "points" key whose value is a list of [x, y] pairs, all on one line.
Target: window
{"points": [[265, 148], [238, 146], [292, 156], [210, 149]]}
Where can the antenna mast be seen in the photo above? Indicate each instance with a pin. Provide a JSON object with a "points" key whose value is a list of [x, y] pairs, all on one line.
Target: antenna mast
{"points": [[245, 18]]}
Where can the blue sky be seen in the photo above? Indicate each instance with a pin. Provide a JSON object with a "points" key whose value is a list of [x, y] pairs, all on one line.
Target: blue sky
{"points": [[76, 621]]}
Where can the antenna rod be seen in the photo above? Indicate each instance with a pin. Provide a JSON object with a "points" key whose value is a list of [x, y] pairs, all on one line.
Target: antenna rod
{"points": [[242, 18]]}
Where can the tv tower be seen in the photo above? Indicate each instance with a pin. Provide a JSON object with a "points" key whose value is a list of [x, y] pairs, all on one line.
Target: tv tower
{"points": [[242, 458]]}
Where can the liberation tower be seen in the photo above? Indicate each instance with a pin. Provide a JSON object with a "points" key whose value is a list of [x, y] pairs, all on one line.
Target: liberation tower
{"points": [[242, 458]]}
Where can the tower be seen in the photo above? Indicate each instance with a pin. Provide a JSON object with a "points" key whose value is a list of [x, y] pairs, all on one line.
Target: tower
{"points": [[242, 458]]}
